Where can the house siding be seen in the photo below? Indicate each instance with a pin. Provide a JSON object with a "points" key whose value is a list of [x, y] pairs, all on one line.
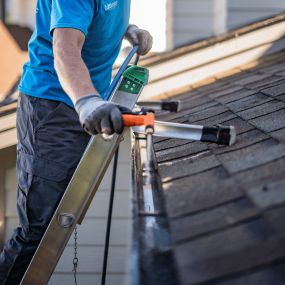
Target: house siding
{"points": [[175, 22], [21, 12], [11, 219], [91, 234], [196, 19], [2, 207], [242, 12]]}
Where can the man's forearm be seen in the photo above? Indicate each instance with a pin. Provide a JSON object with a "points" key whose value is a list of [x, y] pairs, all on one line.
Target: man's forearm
{"points": [[74, 76], [72, 72]]}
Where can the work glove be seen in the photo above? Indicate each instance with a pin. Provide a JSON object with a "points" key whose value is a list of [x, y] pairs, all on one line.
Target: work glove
{"points": [[139, 37], [99, 116]]}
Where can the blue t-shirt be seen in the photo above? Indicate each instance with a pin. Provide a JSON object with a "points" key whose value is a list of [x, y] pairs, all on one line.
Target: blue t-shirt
{"points": [[103, 22]]}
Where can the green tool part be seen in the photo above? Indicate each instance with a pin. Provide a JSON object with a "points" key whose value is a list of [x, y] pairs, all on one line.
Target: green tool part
{"points": [[134, 78]]}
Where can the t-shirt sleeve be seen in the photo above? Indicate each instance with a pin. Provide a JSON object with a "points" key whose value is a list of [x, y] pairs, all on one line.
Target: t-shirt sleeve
{"points": [[76, 14]]}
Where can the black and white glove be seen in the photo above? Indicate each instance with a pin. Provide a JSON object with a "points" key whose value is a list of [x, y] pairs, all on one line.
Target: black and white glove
{"points": [[98, 116], [139, 37]]}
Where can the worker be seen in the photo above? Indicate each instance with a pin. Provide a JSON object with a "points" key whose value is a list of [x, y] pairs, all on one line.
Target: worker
{"points": [[62, 102]]}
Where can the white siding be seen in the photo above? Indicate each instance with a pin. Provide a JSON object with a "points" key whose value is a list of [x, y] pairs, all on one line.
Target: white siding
{"points": [[91, 234], [197, 19], [11, 220], [84, 279], [242, 12], [176, 22], [21, 12]]}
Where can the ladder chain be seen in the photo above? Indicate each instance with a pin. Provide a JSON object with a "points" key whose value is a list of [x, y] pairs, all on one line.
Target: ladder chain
{"points": [[75, 259]]}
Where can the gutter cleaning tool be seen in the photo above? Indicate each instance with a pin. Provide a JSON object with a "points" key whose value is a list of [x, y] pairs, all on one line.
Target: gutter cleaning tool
{"points": [[141, 123]]}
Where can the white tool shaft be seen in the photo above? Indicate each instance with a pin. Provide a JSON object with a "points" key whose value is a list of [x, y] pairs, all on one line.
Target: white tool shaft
{"points": [[174, 130]]}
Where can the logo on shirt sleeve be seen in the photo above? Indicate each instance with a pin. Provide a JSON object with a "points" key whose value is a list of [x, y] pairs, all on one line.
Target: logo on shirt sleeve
{"points": [[111, 6]]}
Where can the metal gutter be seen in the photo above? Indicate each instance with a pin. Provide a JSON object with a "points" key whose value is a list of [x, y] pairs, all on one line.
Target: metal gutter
{"points": [[152, 255]]}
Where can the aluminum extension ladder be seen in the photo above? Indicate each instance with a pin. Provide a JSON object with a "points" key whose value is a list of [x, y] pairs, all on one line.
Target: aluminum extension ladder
{"points": [[125, 90]]}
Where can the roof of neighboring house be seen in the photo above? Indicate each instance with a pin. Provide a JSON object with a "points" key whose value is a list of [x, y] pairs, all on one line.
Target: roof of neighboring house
{"points": [[12, 59], [226, 205]]}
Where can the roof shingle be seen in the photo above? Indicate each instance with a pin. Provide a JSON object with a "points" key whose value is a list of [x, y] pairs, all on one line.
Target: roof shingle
{"points": [[226, 204]]}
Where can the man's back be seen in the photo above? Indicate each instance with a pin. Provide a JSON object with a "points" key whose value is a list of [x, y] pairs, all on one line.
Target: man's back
{"points": [[103, 22]]}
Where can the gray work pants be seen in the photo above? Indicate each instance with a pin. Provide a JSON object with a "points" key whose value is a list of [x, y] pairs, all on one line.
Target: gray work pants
{"points": [[50, 145]]}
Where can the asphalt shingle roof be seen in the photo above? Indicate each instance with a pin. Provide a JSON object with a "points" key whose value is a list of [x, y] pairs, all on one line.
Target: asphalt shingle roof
{"points": [[226, 205]]}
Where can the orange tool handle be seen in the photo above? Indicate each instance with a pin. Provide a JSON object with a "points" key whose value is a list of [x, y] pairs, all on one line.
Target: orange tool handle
{"points": [[139, 120]]}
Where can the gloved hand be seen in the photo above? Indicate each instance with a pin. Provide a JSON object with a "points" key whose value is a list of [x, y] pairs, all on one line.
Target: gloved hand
{"points": [[139, 37], [98, 116]]}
